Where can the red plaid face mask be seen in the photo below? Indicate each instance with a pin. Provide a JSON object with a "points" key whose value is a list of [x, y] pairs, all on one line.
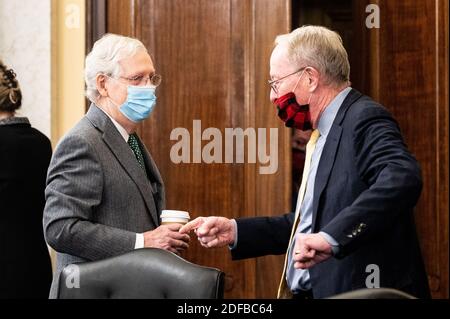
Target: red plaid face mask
{"points": [[293, 114]]}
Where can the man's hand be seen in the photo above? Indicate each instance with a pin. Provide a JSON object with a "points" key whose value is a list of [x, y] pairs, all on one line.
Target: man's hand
{"points": [[167, 237], [212, 231], [309, 250]]}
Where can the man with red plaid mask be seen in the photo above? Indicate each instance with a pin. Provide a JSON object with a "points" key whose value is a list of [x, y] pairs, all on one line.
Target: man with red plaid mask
{"points": [[359, 187]]}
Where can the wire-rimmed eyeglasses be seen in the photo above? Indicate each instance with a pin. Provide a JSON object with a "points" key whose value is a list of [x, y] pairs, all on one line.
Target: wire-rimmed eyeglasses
{"points": [[273, 83]]}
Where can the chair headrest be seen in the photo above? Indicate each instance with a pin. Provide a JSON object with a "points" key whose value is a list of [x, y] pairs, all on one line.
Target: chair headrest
{"points": [[144, 273]]}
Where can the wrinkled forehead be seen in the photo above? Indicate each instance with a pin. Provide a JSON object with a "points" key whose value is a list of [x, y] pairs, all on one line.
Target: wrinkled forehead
{"points": [[279, 61], [139, 64]]}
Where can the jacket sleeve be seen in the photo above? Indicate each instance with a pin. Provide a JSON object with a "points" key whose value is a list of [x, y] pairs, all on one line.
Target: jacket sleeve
{"points": [[392, 176], [260, 236], [74, 190]]}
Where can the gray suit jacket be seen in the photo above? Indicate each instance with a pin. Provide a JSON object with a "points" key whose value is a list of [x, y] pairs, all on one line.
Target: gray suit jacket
{"points": [[97, 195]]}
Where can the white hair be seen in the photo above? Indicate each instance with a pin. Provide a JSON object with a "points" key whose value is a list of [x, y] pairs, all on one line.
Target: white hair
{"points": [[105, 57], [320, 48]]}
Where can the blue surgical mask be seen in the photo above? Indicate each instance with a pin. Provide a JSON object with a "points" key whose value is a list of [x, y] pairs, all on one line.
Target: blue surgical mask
{"points": [[141, 101]]}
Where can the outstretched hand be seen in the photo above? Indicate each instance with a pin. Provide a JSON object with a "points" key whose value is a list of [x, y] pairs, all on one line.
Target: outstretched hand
{"points": [[211, 231]]}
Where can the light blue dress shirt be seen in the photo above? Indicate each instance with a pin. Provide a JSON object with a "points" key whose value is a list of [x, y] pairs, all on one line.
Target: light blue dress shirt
{"points": [[298, 279]]}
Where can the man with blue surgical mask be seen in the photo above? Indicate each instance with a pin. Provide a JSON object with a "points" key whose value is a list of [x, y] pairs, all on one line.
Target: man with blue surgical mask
{"points": [[104, 193], [140, 99]]}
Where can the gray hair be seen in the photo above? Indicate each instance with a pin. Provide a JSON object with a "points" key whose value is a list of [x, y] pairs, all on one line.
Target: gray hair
{"points": [[105, 57], [320, 48]]}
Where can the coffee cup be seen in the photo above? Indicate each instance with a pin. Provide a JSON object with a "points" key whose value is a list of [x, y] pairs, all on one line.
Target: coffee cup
{"points": [[169, 216]]}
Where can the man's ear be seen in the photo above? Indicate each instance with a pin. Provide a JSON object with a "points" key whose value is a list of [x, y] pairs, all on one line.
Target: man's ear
{"points": [[313, 77], [101, 85]]}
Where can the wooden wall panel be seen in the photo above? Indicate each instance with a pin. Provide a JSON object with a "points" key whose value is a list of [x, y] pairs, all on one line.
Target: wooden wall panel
{"points": [[413, 85], [209, 59], [95, 22], [194, 59], [273, 192], [442, 131], [120, 17]]}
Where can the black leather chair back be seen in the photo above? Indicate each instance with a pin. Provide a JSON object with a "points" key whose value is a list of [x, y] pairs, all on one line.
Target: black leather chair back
{"points": [[144, 273]]}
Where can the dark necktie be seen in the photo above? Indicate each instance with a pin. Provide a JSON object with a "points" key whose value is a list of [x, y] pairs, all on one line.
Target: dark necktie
{"points": [[133, 142]]}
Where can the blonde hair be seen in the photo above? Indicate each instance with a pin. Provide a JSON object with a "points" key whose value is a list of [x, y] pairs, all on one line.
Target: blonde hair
{"points": [[10, 94], [320, 48], [105, 57]]}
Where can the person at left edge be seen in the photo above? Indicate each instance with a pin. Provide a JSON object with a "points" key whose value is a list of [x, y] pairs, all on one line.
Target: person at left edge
{"points": [[25, 268], [104, 193]]}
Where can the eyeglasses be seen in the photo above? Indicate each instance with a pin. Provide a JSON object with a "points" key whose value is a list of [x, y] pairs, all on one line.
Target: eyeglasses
{"points": [[273, 83], [140, 80]]}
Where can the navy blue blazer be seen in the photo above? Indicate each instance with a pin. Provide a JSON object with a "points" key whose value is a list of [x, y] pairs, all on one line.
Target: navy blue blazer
{"points": [[366, 187]]}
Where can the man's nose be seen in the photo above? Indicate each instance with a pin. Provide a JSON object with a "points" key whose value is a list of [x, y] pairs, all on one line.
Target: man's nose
{"points": [[273, 96]]}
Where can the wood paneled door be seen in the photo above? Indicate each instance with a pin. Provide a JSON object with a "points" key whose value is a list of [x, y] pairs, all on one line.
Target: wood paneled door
{"points": [[409, 56]]}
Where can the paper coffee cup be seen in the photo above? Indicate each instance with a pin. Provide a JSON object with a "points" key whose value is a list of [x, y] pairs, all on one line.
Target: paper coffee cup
{"points": [[174, 217]]}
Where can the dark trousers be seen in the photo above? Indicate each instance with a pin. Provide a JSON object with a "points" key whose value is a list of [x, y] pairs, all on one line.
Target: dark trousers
{"points": [[303, 295]]}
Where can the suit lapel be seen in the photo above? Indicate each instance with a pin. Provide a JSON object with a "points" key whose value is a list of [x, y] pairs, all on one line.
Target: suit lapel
{"points": [[329, 152], [124, 155], [326, 163], [154, 176]]}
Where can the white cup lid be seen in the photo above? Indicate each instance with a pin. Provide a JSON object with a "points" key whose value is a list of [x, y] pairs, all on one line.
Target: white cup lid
{"points": [[168, 213]]}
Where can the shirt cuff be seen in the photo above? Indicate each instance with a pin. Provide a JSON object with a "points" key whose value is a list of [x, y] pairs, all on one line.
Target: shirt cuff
{"points": [[139, 241], [235, 235], [334, 244]]}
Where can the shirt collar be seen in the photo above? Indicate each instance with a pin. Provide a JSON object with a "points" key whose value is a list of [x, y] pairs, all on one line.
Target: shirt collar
{"points": [[119, 127], [329, 114], [14, 121]]}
